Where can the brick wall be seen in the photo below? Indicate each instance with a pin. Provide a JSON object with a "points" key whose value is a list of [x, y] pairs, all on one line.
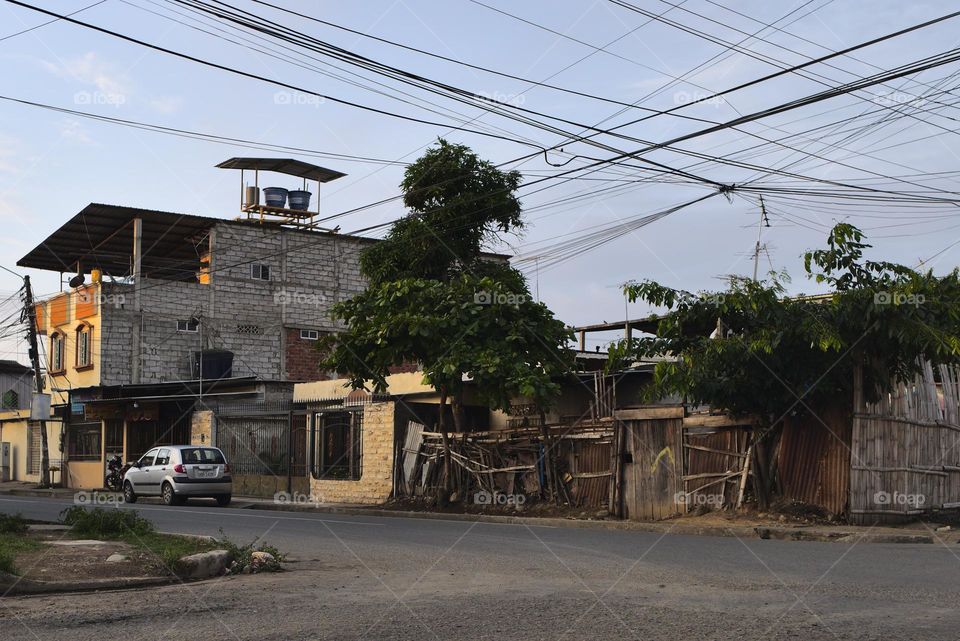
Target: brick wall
{"points": [[376, 481], [303, 358]]}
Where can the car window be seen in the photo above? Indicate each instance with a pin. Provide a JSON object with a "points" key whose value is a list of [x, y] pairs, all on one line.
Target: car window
{"points": [[147, 459], [163, 457], [202, 455]]}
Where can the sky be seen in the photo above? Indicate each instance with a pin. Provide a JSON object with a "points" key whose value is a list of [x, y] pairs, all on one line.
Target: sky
{"points": [[904, 137]]}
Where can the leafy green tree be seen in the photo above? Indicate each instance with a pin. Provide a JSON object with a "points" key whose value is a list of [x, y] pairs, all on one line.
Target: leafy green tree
{"points": [[753, 351], [434, 297]]}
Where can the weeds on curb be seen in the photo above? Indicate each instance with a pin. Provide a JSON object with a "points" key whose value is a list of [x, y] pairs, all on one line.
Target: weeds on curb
{"points": [[99, 523], [12, 524], [252, 557]]}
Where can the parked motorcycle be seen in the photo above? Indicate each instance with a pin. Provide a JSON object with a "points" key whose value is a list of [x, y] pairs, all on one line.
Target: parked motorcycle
{"points": [[115, 471]]}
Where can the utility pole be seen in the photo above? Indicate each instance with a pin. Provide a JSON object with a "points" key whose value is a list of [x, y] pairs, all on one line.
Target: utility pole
{"points": [[31, 314], [756, 250]]}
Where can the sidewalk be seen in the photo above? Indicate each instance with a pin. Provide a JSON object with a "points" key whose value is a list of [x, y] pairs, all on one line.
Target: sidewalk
{"points": [[690, 526], [918, 532]]}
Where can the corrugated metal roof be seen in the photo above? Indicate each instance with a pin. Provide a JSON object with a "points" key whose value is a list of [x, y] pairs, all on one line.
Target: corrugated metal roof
{"points": [[102, 236], [287, 166]]}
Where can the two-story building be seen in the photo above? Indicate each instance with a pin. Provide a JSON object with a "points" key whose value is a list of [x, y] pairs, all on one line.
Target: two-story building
{"points": [[168, 308]]}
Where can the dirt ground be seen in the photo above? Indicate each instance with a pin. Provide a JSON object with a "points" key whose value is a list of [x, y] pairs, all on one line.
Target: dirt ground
{"points": [[62, 558]]}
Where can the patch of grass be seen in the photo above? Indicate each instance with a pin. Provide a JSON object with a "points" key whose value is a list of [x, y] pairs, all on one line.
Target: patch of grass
{"points": [[10, 546], [128, 526], [12, 524], [100, 523], [167, 549]]}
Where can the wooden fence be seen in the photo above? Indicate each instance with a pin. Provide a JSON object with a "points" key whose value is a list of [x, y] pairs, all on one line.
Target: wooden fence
{"points": [[905, 457]]}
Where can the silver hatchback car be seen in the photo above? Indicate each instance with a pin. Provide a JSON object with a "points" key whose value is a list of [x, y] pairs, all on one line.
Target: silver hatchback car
{"points": [[178, 472]]}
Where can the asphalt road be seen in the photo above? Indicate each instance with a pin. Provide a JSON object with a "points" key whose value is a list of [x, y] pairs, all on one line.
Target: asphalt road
{"points": [[397, 578]]}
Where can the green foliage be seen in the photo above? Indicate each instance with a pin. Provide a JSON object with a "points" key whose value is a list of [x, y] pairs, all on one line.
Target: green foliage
{"points": [[128, 526], [167, 549], [100, 523], [12, 543], [457, 202], [12, 524], [510, 345], [435, 299], [771, 355], [6, 562]]}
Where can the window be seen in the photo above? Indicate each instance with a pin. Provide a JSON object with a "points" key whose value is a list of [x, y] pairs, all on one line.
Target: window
{"points": [[309, 334], [11, 400], [335, 441], [83, 442], [259, 271], [191, 325], [56, 352], [202, 455], [163, 457], [84, 333], [147, 459]]}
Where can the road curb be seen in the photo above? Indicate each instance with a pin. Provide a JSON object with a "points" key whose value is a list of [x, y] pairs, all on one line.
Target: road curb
{"points": [[11, 585], [688, 529]]}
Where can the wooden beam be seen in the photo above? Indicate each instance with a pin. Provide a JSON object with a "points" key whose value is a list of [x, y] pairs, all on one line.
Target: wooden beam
{"points": [[717, 420], [649, 413]]}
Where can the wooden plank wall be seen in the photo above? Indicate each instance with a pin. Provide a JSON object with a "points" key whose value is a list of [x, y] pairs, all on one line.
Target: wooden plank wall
{"points": [[905, 457], [589, 464], [652, 468], [713, 464]]}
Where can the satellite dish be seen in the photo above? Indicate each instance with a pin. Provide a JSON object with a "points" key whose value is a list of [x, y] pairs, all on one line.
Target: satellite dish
{"points": [[76, 281]]}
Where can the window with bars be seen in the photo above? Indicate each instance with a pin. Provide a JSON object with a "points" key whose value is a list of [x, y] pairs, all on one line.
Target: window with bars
{"points": [[33, 448], [336, 443], [83, 443], [83, 346], [56, 352]]}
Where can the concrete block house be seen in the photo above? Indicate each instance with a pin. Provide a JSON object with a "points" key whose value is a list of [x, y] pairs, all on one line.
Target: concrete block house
{"points": [[171, 309]]}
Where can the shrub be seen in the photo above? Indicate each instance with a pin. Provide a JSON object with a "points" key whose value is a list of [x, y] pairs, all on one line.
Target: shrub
{"points": [[12, 524], [6, 562], [102, 523]]}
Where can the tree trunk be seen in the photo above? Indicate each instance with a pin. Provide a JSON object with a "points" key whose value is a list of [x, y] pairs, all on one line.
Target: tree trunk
{"points": [[459, 422]]}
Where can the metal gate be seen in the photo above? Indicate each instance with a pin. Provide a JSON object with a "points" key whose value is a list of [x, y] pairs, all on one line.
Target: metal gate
{"points": [[266, 446]]}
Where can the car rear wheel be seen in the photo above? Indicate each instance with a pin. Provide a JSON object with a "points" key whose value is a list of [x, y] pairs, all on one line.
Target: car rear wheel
{"points": [[223, 500], [167, 495], [129, 496]]}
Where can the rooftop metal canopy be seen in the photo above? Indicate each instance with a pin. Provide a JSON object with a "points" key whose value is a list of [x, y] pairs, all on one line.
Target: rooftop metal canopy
{"points": [[102, 236], [287, 166]]}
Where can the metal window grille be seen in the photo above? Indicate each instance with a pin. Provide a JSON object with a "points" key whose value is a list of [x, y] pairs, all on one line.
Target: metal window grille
{"points": [[33, 448], [336, 443]]}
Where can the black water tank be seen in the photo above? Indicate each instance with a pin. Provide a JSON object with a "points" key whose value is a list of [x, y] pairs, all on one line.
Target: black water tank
{"points": [[217, 363]]}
